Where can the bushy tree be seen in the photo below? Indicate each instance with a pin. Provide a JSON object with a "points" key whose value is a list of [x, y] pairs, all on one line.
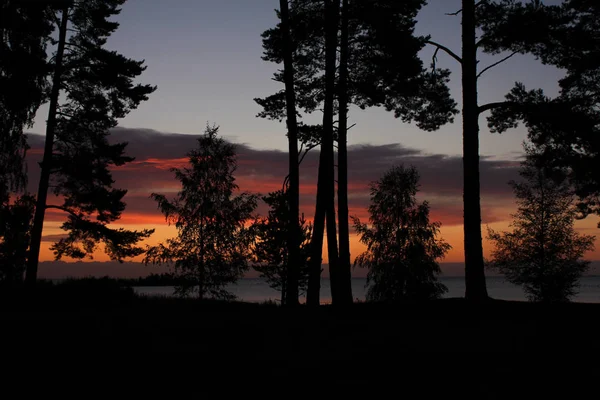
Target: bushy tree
{"points": [[271, 254], [402, 244], [91, 88], [212, 247], [543, 252]]}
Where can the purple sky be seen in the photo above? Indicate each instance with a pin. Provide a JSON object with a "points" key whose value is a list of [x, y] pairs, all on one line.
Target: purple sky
{"points": [[204, 56]]}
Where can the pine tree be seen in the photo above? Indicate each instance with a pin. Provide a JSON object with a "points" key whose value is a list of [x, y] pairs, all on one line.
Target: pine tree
{"points": [[98, 88], [543, 251], [565, 127], [402, 245], [383, 69], [212, 247]]}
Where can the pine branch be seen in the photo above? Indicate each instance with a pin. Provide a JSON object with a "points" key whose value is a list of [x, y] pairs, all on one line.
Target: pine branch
{"points": [[491, 106], [495, 64], [447, 50]]}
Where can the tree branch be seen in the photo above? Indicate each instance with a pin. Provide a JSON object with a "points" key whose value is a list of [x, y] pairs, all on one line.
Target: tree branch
{"points": [[495, 64], [455, 13], [447, 50], [491, 106], [63, 209]]}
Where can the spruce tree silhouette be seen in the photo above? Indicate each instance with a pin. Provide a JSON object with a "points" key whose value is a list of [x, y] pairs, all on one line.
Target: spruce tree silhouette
{"points": [[98, 88], [212, 247]]}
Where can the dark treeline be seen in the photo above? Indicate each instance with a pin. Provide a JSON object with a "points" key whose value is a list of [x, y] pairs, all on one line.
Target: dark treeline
{"points": [[334, 55]]}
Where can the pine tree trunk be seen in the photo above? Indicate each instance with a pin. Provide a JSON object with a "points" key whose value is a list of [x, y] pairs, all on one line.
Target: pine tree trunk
{"points": [[474, 266], [332, 8], [293, 242], [316, 241], [345, 274], [40, 208]]}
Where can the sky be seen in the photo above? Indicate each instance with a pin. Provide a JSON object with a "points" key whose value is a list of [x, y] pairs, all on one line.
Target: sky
{"points": [[205, 58]]}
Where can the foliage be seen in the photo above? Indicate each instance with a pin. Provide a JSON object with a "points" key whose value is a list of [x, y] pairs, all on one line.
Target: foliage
{"points": [[270, 251], [98, 89], [384, 67], [15, 229], [566, 127], [543, 251], [24, 34], [212, 247], [402, 245]]}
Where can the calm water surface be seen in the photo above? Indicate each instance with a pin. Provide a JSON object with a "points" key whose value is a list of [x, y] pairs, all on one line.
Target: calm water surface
{"points": [[256, 290]]}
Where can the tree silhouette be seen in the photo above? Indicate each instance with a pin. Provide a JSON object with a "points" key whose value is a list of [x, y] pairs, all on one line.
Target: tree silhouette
{"points": [[271, 253], [98, 88], [294, 231], [212, 246], [15, 230], [378, 66], [543, 251], [565, 127], [24, 34], [478, 17], [402, 245]]}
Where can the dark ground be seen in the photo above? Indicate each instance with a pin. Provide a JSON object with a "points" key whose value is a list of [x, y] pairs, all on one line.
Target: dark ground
{"points": [[446, 348]]}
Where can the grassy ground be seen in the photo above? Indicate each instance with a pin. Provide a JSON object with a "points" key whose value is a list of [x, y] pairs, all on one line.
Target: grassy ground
{"points": [[448, 347]]}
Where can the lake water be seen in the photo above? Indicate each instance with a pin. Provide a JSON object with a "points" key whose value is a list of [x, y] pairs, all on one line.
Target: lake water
{"points": [[256, 290]]}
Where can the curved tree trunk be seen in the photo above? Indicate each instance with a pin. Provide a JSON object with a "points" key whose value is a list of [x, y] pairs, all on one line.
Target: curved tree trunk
{"points": [[40, 207], [293, 243], [345, 274], [474, 266]]}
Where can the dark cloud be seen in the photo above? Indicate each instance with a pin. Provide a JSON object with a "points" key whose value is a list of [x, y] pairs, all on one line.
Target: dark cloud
{"points": [[262, 171]]}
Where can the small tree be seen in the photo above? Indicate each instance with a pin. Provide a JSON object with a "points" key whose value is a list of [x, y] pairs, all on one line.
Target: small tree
{"points": [[211, 249], [402, 245], [271, 252], [543, 252]]}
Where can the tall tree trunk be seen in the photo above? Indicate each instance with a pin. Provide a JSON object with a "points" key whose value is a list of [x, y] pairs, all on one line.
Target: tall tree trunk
{"points": [[332, 11], [316, 240], [293, 242], [474, 266], [345, 275], [40, 208]]}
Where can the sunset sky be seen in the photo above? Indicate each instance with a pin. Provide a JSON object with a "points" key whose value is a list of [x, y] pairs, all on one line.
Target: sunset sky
{"points": [[205, 58]]}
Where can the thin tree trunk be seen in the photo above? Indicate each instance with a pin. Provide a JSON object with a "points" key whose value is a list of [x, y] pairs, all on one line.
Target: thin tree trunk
{"points": [[293, 242], [474, 266], [40, 208], [332, 10], [345, 275]]}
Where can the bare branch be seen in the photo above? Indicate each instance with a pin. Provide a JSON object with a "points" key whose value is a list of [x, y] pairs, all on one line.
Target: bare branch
{"points": [[447, 50], [455, 13], [491, 106], [495, 64]]}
